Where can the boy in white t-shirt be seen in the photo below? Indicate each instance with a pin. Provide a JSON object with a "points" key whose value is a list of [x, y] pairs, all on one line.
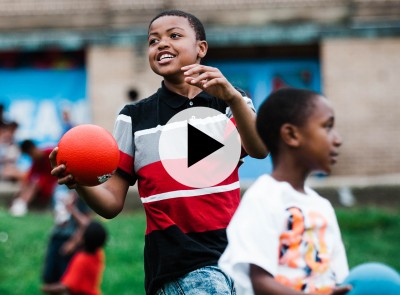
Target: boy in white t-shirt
{"points": [[284, 238]]}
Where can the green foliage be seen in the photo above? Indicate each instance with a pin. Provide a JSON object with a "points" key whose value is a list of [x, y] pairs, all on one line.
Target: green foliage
{"points": [[23, 244], [124, 273], [369, 235]]}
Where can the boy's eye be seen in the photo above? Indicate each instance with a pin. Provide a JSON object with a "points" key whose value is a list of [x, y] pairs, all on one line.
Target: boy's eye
{"points": [[329, 125], [152, 41], [175, 35]]}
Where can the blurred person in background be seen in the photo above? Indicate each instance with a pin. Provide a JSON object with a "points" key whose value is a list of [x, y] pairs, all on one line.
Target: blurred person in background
{"points": [[71, 216], [2, 119], [38, 184], [132, 95], [66, 119], [85, 272], [9, 153]]}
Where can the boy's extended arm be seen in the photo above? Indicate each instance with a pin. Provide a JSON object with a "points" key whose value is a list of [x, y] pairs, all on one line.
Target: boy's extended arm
{"points": [[264, 284], [245, 120], [106, 199], [213, 82]]}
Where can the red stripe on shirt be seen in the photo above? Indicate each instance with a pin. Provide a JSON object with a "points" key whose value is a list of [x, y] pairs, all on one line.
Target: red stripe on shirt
{"points": [[156, 174], [193, 214], [126, 162]]}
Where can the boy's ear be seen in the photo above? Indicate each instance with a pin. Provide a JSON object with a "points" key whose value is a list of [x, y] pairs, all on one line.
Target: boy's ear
{"points": [[290, 135], [203, 48]]}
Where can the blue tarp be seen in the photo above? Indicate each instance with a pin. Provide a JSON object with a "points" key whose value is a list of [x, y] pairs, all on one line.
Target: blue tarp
{"points": [[36, 99], [259, 78]]}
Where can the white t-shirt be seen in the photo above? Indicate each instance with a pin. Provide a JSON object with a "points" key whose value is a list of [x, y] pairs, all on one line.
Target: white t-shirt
{"points": [[293, 236]]}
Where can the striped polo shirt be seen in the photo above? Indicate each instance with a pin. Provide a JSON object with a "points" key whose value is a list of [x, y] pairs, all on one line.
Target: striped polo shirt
{"points": [[186, 226]]}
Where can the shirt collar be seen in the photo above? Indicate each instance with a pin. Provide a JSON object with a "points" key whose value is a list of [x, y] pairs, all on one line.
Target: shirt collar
{"points": [[175, 100]]}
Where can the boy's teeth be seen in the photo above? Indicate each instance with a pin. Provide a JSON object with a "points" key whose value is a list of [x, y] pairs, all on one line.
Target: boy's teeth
{"points": [[166, 56]]}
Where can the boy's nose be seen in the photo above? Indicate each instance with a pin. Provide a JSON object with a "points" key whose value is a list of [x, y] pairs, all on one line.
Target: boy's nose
{"points": [[162, 44], [337, 139]]}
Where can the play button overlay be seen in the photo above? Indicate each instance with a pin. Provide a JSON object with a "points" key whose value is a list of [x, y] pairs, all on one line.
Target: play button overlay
{"points": [[199, 147]]}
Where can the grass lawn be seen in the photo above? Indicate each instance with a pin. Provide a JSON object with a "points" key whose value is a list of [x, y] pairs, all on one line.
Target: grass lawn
{"points": [[369, 235]]}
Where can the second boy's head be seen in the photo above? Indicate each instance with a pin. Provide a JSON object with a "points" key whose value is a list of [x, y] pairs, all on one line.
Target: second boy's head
{"points": [[94, 237], [175, 39], [28, 147], [299, 124]]}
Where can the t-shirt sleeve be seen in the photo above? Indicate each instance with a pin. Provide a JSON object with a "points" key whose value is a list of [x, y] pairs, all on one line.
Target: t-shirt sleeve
{"points": [[124, 136], [246, 98], [229, 114], [339, 262], [253, 237]]}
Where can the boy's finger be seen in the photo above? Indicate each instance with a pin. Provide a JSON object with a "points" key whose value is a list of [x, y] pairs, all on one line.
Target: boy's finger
{"points": [[65, 179], [213, 82], [68, 181], [58, 170], [198, 69], [191, 81], [188, 67], [207, 76], [53, 157]]}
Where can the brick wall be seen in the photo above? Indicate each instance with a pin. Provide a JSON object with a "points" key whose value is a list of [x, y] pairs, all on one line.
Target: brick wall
{"points": [[362, 79], [111, 72]]}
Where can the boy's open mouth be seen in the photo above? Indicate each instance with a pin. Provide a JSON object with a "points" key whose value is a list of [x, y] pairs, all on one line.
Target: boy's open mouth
{"points": [[165, 56]]}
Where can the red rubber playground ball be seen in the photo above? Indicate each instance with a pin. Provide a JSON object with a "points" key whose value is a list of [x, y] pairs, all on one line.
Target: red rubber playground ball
{"points": [[90, 154]]}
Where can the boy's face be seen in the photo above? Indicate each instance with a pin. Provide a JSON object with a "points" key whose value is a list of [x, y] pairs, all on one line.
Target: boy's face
{"points": [[320, 141], [172, 45]]}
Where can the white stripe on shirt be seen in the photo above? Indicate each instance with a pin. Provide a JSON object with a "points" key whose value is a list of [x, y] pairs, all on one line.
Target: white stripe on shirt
{"points": [[191, 193]]}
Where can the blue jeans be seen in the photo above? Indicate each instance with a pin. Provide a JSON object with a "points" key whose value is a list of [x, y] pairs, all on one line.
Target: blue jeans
{"points": [[203, 281]]}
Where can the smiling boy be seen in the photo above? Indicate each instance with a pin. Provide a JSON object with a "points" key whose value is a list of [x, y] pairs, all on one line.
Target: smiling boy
{"points": [[185, 236]]}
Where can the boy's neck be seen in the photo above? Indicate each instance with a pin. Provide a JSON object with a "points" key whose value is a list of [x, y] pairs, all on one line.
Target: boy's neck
{"points": [[182, 88], [295, 178]]}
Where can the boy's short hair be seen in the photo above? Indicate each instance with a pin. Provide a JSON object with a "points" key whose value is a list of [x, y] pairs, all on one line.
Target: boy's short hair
{"points": [[94, 237], [194, 22], [287, 105], [26, 146]]}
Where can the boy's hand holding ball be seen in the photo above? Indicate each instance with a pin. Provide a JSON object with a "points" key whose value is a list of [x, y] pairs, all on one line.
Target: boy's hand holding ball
{"points": [[86, 155]]}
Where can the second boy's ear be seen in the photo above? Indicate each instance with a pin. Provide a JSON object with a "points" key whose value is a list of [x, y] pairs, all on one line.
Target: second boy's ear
{"points": [[290, 135], [203, 48]]}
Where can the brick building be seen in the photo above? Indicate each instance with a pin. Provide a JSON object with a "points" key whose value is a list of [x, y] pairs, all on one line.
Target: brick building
{"points": [[355, 45]]}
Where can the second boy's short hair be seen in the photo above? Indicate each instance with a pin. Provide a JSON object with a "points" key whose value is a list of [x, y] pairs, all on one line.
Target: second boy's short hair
{"points": [[287, 105], [26, 146], [94, 237], [194, 22]]}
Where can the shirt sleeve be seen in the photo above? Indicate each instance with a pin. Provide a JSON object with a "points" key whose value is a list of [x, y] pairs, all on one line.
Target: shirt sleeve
{"points": [[246, 98], [253, 237], [339, 262], [124, 136], [229, 114]]}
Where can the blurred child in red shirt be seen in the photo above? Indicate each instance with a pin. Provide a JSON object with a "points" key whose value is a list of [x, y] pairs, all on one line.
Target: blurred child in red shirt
{"points": [[38, 184], [85, 271]]}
